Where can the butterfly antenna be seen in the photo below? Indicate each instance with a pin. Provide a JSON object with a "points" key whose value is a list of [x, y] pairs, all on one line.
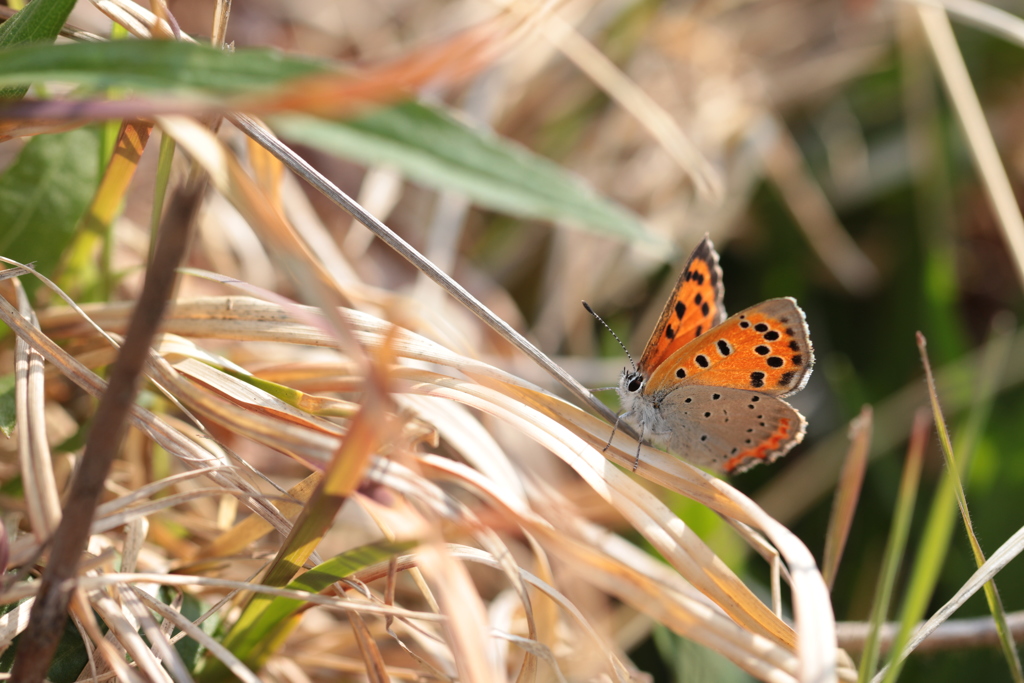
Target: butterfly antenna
{"points": [[591, 312]]}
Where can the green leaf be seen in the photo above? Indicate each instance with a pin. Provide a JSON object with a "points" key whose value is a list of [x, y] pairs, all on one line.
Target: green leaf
{"points": [[39, 22], [432, 148], [163, 64], [44, 193], [7, 414], [69, 661], [191, 608]]}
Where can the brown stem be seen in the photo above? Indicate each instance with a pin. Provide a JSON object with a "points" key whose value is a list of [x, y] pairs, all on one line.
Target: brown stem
{"points": [[38, 643]]}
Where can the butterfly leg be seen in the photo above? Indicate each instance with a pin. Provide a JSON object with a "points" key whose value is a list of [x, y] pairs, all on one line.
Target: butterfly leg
{"points": [[639, 444], [618, 416]]}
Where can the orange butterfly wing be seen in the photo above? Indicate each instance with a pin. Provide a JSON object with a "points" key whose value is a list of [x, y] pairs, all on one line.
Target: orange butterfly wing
{"points": [[765, 349], [696, 305]]}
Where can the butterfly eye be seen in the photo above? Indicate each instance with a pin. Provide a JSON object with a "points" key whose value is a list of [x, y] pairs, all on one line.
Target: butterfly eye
{"points": [[634, 385]]}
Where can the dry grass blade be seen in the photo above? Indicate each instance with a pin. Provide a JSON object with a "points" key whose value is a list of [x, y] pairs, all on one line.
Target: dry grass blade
{"points": [[812, 210], [637, 102], [639, 583], [979, 136], [984, 16], [995, 603], [844, 505], [686, 552], [42, 495], [666, 531]]}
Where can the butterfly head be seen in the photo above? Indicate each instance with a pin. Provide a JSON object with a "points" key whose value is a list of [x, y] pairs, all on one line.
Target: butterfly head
{"points": [[632, 381]]}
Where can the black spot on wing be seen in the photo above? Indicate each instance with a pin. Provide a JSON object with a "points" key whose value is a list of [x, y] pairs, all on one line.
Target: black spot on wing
{"points": [[680, 309], [757, 379]]}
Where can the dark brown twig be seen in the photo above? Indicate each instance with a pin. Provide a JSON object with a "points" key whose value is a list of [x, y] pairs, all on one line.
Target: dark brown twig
{"points": [[39, 642]]}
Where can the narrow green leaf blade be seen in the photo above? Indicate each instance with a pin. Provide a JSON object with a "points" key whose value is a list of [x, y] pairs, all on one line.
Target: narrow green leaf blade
{"points": [[44, 193], [165, 64], [434, 149], [39, 22]]}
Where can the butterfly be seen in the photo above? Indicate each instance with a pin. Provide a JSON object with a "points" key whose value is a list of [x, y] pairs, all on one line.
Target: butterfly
{"points": [[711, 388]]}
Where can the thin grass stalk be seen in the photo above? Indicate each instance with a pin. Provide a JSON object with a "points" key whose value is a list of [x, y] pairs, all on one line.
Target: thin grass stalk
{"points": [[985, 17], [934, 544], [895, 547], [160, 185], [954, 634], [844, 505], [304, 170], [995, 603], [1004, 554], [979, 136]]}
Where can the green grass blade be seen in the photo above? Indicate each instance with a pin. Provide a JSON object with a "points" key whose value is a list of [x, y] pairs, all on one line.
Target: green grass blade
{"points": [[895, 547], [934, 544], [995, 604], [163, 178], [268, 620], [39, 22], [164, 64], [432, 148]]}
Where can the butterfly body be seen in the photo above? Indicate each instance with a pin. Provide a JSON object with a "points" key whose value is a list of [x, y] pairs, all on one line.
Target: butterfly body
{"points": [[711, 389]]}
